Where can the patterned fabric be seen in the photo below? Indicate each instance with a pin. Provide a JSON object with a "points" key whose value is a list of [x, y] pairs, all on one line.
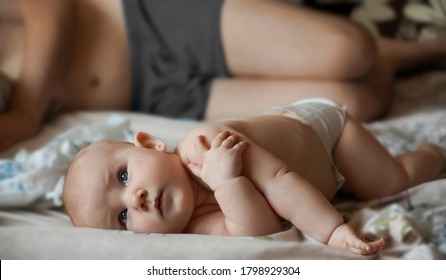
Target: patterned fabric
{"points": [[403, 19], [37, 177]]}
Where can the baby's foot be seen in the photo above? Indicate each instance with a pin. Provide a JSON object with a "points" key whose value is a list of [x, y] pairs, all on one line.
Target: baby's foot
{"points": [[344, 237]]}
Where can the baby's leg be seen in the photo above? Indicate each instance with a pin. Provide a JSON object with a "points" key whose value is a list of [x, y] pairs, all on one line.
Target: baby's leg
{"points": [[424, 164], [371, 172], [344, 237]]}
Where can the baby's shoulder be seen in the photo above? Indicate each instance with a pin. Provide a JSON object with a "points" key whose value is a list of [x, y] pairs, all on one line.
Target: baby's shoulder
{"points": [[186, 148], [209, 131]]}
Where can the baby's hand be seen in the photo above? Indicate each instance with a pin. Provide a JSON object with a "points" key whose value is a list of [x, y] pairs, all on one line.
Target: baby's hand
{"points": [[344, 237], [221, 161]]}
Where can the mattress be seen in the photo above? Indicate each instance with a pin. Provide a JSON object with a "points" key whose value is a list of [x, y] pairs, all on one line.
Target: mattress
{"points": [[413, 223]]}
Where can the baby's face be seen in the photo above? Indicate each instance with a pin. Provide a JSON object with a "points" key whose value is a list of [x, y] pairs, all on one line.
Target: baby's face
{"points": [[122, 186]]}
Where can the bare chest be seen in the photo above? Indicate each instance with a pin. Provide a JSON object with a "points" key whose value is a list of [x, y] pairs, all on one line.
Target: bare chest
{"points": [[207, 218], [98, 70]]}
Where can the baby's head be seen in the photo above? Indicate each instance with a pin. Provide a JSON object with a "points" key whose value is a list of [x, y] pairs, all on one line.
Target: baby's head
{"points": [[120, 185]]}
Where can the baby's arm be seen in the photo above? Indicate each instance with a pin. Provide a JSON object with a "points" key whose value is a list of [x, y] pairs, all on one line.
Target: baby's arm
{"points": [[245, 209], [47, 26]]}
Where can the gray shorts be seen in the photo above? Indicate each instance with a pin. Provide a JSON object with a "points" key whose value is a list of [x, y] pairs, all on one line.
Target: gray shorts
{"points": [[175, 52]]}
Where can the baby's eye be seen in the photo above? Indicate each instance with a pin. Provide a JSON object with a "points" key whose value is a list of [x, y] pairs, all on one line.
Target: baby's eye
{"points": [[123, 217], [123, 176]]}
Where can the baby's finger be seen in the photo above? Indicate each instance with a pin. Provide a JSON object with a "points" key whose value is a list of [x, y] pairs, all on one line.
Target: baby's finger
{"points": [[241, 146], [358, 246], [218, 140], [367, 248], [230, 141], [374, 247]]}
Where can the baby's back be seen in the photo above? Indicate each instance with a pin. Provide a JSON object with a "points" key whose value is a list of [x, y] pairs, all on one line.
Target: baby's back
{"points": [[293, 142]]}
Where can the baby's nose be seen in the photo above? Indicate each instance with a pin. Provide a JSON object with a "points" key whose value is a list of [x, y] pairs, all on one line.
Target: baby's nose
{"points": [[139, 199]]}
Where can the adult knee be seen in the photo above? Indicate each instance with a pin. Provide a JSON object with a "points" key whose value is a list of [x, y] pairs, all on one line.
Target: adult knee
{"points": [[356, 52]]}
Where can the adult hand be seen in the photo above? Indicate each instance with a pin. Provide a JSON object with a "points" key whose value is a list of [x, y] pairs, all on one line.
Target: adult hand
{"points": [[16, 126]]}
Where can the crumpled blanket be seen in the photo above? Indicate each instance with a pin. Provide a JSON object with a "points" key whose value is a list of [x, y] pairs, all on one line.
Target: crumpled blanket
{"points": [[413, 223], [37, 178]]}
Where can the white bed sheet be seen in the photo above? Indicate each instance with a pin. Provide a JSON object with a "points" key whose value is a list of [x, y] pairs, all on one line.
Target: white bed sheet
{"points": [[413, 223]]}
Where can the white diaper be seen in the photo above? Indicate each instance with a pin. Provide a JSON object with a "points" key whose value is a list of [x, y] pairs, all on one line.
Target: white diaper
{"points": [[326, 117]]}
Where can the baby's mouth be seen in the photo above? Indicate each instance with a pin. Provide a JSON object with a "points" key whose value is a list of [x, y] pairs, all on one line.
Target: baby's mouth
{"points": [[160, 203]]}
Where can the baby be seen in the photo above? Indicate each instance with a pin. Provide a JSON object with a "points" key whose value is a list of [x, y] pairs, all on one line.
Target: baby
{"points": [[241, 177]]}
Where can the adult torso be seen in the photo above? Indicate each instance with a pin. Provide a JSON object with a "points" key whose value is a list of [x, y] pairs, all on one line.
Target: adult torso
{"points": [[97, 73]]}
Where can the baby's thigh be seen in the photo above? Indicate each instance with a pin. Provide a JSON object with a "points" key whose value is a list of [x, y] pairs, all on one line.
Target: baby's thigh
{"points": [[370, 171]]}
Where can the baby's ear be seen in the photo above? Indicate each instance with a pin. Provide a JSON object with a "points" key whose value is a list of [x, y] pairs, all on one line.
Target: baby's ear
{"points": [[145, 140]]}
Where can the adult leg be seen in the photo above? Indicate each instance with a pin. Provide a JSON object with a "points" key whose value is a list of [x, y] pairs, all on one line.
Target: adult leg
{"points": [[249, 97], [274, 38], [408, 55], [277, 39], [286, 62], [371, 172], [366, 98]]}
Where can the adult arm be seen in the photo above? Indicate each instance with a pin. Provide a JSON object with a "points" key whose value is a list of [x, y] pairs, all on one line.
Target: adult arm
{"points": [[48, 28]]}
